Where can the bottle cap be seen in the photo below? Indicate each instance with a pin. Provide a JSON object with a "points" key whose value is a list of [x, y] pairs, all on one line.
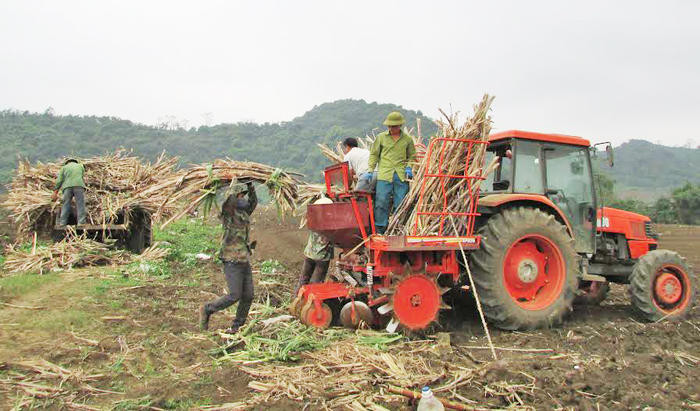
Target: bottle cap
{"points": [[426, 393]]}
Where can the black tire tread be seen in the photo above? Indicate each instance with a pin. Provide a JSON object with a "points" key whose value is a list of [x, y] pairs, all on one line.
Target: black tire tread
{"points": [[497, 235], [641, 285]]}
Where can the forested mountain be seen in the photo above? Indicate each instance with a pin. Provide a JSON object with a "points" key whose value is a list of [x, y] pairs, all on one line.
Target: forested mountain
{"points": [[290, 145], [642, 168]]}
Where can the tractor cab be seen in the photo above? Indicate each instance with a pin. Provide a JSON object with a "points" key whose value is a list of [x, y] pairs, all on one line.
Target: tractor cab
{"points": [[552, 169]]}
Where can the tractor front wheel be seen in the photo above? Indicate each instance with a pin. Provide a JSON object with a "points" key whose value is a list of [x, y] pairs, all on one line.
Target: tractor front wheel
{"points": [[662, 286], [526, 271]]}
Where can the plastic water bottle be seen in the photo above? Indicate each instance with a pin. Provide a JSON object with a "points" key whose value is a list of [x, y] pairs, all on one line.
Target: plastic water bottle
{"points": [[428, 402]]}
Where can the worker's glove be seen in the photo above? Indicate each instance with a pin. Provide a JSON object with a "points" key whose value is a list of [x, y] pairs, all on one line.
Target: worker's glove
{"points": [[409, 173], [366, 176]]}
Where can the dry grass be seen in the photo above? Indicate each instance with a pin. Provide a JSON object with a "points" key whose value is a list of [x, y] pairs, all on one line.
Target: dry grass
{"points": [[74, 251], [359, 372]]}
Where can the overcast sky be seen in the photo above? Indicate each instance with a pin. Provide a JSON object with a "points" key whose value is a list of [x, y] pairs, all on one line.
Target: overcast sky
{"points": [[599, 69]]}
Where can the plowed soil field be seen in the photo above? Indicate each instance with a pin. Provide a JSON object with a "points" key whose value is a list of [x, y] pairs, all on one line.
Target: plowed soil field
{"points": [[128, 343]]}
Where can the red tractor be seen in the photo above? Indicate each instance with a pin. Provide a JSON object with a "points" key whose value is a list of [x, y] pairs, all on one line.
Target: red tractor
{"points": [[536, 242]]}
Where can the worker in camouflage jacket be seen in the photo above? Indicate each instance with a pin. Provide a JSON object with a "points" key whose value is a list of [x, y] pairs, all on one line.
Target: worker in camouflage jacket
{"points": [[317, 256], [71, 184], [235, 255]]}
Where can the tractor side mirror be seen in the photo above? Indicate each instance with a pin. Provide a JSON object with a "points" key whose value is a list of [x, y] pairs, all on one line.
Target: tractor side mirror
{"points": [[609, 151]]}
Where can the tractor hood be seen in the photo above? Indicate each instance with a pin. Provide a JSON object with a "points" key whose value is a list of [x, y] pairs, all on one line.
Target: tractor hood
{"points": [[631, 224]]}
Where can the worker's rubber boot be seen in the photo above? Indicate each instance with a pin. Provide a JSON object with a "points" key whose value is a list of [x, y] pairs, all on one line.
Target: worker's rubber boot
{"points": [[204, 315]]}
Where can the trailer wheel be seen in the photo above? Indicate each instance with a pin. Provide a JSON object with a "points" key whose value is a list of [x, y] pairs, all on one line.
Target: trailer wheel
{"points": [[526, 271], [592, 292], [140, 235], [662, 286]]}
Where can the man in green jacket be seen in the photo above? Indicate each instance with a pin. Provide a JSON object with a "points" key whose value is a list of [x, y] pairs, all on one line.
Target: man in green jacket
{"points": [[70, 181], [393, 150], [235, 255]]}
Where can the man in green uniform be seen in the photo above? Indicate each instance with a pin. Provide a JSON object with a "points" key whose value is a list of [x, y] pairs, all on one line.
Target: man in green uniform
{"points": [[235, 255], [317, 256], [70, 181], [393, 150]]}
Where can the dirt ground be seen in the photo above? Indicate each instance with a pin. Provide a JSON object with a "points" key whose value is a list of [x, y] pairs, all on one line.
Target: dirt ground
{"points": [[132, 343]]}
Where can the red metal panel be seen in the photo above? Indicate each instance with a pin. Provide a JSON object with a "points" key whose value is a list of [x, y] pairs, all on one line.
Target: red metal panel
{"points": [[549, 138], [639, 248], [337, 179], [338, 221], [612, 220]]}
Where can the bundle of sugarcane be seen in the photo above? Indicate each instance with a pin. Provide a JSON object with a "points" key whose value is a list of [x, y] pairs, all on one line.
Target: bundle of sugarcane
{"points": [[447, 194], [307, 194], [336, 156], [116, 183], [198, 184], [74, 251]]}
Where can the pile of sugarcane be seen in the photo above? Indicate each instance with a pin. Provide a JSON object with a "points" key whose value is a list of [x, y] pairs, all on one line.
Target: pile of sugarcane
{"points": [[116, 184], [198, 185], [456, 157], [336, 155], [75, 250]]}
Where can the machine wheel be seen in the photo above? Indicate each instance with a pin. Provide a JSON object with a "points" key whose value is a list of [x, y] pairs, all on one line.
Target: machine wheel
{"points": [[353, 313], [594, 292], [140, 235], [526, 270], [662, 286], [315, 318], [416, 301]]}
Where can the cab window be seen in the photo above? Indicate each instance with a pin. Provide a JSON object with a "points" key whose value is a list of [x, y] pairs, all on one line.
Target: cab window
{"points": [[569, 187], [528, 170], [500, 178]]}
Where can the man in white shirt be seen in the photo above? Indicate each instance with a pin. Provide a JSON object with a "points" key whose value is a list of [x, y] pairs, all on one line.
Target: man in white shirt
{"points": [[358, 159]]}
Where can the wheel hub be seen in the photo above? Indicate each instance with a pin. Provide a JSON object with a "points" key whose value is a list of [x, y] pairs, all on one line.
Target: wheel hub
{"points": [[668, 288], [415, 300], [534, 271], [527, 271]]}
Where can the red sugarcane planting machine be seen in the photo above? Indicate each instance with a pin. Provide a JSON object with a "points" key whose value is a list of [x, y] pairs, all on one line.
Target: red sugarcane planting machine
{"points": [[383, 279], [537, 242]]}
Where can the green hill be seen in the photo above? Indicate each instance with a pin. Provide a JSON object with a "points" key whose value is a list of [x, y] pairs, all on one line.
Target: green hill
{"points": [[645, 171], [289, 144]]}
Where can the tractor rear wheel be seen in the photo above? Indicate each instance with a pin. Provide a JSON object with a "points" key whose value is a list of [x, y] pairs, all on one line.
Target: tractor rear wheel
{"points": [[526, 271], [592, 292], [662, 286]]}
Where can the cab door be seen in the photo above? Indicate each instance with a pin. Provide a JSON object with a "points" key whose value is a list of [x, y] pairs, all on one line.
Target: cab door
{"points": [[569, 184]]}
